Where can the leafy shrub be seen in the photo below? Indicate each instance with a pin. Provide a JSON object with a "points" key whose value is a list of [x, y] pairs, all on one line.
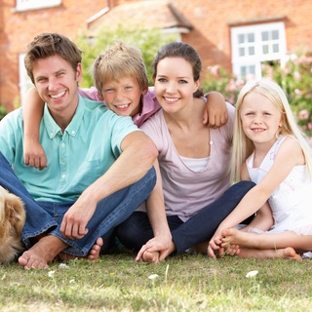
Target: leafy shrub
{"points": [[296, 80], [149, 41], [3, 111]]}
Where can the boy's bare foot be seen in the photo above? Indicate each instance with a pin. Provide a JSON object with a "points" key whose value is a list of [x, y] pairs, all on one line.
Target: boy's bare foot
{"points": [[151, 257], [93, 254], [43, 252]]}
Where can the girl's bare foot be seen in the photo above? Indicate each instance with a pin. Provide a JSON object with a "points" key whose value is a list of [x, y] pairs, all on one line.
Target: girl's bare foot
{"points": [[151, 256], [285, 253], [233, 236], [290, 253]]}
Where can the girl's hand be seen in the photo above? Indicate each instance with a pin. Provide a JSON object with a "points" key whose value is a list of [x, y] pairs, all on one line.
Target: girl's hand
{"points": [[214, 246], [34, 155]]}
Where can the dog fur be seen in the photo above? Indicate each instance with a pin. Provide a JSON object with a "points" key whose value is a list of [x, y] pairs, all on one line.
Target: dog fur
{"points": [[12, 220]]}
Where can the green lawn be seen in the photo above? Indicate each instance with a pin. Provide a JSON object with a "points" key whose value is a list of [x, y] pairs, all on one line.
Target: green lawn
{"points": [[184, 283]]}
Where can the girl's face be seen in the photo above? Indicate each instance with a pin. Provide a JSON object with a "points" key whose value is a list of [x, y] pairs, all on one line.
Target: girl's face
{"points": [[261, 120], [174, 83], [124, 96]]}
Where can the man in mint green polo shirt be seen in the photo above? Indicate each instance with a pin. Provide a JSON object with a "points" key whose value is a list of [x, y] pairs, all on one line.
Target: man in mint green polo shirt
{"points": [[100, 164]]}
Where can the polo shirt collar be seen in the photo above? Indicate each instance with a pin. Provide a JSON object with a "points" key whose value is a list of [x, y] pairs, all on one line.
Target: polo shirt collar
{"points": [[72, 129], [148, 100]]}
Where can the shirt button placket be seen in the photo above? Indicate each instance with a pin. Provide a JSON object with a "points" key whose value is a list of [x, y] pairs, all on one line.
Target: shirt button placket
{"points": [[63, 162]]}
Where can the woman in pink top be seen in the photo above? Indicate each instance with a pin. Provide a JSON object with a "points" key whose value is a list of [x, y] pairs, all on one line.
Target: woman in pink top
{"points": [[193, 159]]}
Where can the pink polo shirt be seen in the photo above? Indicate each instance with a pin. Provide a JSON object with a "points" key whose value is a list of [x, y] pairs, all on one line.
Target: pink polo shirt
{"points": [[150, 104]]}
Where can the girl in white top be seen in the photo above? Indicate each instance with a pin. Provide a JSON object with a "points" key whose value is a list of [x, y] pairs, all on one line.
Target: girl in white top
{"points": [[269, 149]]}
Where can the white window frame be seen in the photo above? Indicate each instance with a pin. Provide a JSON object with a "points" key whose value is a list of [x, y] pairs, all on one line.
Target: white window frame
{"points": [[252, 62], [24, 5], [24, 81]]}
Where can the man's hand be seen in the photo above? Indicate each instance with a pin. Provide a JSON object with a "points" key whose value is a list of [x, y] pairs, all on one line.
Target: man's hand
{"points": [[77, 217]]}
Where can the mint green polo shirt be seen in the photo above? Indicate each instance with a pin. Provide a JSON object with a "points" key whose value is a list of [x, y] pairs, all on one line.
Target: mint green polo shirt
{"points": [[76, 158]]}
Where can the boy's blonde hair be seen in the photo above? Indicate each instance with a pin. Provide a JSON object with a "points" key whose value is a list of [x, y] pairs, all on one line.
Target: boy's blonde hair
{"points": [[116, 62], [243, 146]]}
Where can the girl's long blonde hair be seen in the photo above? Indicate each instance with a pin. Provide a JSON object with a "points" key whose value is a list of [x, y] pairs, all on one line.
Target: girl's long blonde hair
{"points": [[243, 146]]}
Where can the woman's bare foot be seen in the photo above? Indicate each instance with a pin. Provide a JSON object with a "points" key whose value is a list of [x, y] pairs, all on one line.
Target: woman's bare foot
{"points": [[151, 256], [43, 252], [93, 254]]}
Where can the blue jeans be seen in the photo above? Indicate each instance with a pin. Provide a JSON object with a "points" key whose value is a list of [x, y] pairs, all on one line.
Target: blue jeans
{"points": [[46, 217], [136, 230]]}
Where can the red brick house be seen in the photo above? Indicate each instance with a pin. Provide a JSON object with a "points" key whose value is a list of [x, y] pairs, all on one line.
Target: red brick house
{"points": [[239, 35]]}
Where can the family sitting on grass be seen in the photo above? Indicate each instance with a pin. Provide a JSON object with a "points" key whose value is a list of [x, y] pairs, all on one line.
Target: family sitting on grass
{"points": [[90, 175]]}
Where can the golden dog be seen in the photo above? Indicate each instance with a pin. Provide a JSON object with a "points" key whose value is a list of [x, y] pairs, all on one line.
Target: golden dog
{"points": [[12, 220]]}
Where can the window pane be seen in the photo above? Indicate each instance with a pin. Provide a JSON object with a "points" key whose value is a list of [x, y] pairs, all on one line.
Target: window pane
{"points": [[243, 71], [265, 35], [241, 51], [251, 37], [275, 48], [251, 50], [35, 4], [265, 49], [252, 69], [275, 35], [241, 38]]}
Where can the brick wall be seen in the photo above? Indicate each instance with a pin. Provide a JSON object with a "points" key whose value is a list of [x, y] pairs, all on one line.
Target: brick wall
{"points": [[211, 19], [17, 29]]}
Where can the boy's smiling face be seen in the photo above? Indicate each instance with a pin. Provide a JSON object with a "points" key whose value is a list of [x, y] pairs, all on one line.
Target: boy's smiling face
{"points": [[123, 96]]}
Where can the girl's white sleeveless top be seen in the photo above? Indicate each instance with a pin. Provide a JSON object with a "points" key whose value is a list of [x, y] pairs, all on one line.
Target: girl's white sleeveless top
{"points": [[291, 201]]}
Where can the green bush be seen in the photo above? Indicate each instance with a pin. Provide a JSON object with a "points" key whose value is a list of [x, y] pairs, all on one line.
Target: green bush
{"points": [[149, 41], [296, 80], [3, 111]]}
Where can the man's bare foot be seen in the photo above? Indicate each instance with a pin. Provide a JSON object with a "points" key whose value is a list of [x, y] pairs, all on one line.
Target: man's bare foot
{"points": [[43, 252], [93, 254], [151, 257]]}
